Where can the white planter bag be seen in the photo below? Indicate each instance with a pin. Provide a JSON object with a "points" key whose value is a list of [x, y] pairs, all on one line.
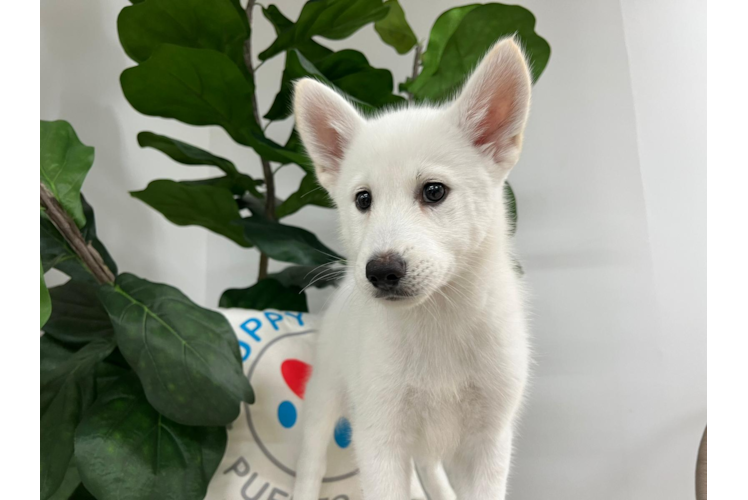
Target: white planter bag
{"points": [[260, 459]]}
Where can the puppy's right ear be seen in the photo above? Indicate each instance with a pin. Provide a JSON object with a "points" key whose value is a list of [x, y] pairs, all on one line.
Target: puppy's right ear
{"points": [[326, 123]]}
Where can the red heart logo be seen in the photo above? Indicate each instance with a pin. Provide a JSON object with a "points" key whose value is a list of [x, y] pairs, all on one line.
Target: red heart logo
{"points": [[296, 374]]}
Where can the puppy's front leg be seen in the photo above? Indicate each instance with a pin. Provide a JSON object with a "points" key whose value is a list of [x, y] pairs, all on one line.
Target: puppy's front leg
{"points": [[381, 451], [480, 466], [322, 408], [434, 480]]}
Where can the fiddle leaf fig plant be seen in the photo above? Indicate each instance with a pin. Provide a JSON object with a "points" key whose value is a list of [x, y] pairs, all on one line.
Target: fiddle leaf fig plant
{"points": [[124, 360], [189, 70], [119, 352]]}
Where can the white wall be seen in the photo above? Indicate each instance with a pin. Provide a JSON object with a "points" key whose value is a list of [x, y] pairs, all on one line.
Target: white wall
{"points": [[612, 206], [81, 61]]}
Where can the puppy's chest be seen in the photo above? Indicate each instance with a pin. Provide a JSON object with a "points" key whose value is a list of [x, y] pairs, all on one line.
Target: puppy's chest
{"points": [[437, 419]]}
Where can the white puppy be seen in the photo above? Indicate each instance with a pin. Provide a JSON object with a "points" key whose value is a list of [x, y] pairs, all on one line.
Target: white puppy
{"points": [[425, 342]]}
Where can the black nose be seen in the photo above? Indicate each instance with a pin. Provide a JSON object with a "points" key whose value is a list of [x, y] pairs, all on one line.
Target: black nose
{"points": [[384, 271]]}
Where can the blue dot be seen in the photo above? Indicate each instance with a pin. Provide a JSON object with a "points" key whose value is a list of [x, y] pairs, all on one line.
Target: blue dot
{"points": [[287, 414], [343, 432]]}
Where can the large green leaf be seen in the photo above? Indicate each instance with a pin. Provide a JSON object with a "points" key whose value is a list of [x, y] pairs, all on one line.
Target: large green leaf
{"points": [[332, 19], [69, 484], [77, 315], [211, 207], [311, 49], [200, 87], [287, 243], [65, 161], [188, 154], [81, 493], [195, 86], [67, 390], [126, 450], [266, 294], [346, 70], [184, 153], [282, 290], [237, 184], [461, 37], [395, 30], [53, 353], [309, 193], [200, 24], [187, 357], [444, 27], [45, 303]]}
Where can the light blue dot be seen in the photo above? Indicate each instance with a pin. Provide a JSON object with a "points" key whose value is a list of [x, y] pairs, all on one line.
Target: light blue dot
{"points": [[287, 414], [343, 432]]}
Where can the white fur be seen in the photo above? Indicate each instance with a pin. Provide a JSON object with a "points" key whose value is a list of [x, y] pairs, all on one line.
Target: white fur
{"points": [[438, 377]]}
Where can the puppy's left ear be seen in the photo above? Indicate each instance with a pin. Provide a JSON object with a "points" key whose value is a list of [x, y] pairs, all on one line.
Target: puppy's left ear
{"points": [[493, 106], [327, 124]]}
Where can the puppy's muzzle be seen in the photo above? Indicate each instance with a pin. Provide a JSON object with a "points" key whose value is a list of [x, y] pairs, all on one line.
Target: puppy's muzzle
{"points": [[384, 271]]}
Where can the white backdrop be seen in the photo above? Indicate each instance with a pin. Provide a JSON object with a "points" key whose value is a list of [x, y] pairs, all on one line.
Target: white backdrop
{"points": [[611, 193]]}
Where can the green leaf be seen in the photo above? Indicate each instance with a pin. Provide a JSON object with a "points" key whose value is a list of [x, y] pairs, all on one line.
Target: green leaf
{"points": [[282, 290], [311, 49], [238, 185], [461, 37], [211, 207], [395, 30], [81, 493], [187, 357], [200, 87], [69, 484], [125, 450], [109, 370], [511, 207], [67, 390], [332, 19], [65, 161], [279, 21], [45, 303], [287, 243], [187, 154], [199, 24], [266, 294], [346, 70], [294, 146], [184, 153], [77, 315], [53, 353], [309, 193], [194, 86]]}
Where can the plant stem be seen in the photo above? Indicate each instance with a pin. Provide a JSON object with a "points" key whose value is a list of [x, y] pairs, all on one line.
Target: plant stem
{"points": [[416, 66], [267, 172], [73, 236]]}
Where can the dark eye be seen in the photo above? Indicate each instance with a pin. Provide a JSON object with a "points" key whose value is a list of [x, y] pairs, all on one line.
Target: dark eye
{"points": [[363, 200], [434, 192]]}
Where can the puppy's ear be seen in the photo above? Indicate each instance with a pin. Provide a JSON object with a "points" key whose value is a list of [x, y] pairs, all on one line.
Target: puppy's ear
{"points": [[493, 106], [326, 123]]}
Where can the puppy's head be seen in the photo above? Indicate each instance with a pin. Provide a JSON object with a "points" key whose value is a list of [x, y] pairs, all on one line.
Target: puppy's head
{"points": [[417, 189]]}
